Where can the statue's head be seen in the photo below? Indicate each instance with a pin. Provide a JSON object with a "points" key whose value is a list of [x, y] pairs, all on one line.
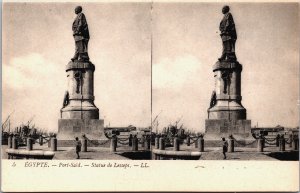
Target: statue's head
{"points": [[78, 9], [225, 9]]}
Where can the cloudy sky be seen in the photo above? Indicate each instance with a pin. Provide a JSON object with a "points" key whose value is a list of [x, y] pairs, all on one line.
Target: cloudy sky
{"points": [[187, 44], [38, 43]]}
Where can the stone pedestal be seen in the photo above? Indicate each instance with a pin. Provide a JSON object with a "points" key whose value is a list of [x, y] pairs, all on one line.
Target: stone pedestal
{"points": [[228, 105], [227, 116], [80, 115], [218, 128], [80, 77]]}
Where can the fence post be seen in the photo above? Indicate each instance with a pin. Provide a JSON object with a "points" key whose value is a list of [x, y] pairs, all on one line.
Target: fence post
{"points": [[176, 144], [295, 143], [147, 142], [15, 142], [130, 140], [200, 142], [29, 143], [53, 143], [282, 143], [143, 140], [156, 142], [41, 140], [260, 146], [135, 143], [84, 143], [10, 141], [113, 143], [161, 143], [291, 139], [196, 142], [277, 140], [231, 144], [188, 140]]}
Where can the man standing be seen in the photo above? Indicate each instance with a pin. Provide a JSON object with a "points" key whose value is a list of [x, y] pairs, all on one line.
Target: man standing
{"points": [[228, 35], [81, 36], [225, 147], [78, 147]]}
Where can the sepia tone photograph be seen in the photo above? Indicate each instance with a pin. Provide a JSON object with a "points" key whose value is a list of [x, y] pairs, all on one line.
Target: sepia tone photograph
{"points": [[226, 81], [112, 96], [76, 81]]}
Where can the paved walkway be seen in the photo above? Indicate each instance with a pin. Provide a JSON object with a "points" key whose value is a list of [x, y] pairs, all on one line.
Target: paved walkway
{"points": [[101, 153]]}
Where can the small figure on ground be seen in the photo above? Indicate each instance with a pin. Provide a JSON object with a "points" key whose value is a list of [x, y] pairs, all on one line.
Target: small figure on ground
{"points": [[78, 147], [225, 147]]}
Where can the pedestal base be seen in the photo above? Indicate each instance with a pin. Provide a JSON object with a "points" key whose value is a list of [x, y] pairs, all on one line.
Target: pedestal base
{"points": [[229, 110], [217, 128], [68, 129]]}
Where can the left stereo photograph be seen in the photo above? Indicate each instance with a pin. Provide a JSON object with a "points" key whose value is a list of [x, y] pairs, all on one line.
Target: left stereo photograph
{"points": [[76, 81]]}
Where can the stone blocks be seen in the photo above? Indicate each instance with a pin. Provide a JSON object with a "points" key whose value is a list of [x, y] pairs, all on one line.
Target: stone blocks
{"points": [[217, 128], [68, 129]]}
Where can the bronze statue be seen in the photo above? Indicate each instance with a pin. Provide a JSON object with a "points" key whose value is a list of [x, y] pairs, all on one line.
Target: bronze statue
{"points": [[81, 36], [228, 35]]}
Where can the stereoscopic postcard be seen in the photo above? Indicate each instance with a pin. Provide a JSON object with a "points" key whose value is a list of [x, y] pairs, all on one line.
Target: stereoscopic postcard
{"points": [[150, 96]]}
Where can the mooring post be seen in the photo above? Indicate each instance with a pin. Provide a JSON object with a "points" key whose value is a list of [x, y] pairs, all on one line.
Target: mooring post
{"points": [[176, 144], [147, 142], [143, 140], [15, 142], [201, 143], [277, 140], [130, 140], [10, 141], [188, 140], [230, 144], [53, 143], [162, 143], [113, 143], [84, 143], [135, 143], [282, 143], [295, 143], [196, 142], [291, 139], [41, 140], [156, 142], [260, 146], [29, 145]]}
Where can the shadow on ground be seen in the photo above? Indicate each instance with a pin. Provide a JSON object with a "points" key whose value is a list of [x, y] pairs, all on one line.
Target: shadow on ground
{"points": [[140, 155], [285, 155]]}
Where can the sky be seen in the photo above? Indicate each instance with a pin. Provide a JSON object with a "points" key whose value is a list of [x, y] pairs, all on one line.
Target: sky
{"points": [[38, 43], [186, 44]]}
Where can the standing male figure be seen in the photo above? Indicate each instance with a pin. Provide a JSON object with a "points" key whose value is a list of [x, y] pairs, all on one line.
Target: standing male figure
{"points": [[78, 147], [228, 36], [225, 147], [81, 36]]}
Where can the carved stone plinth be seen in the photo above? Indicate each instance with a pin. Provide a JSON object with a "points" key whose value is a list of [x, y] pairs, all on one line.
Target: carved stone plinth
{"points": [[228, 92], [81, 105], [79, 115], [227, 116]]}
